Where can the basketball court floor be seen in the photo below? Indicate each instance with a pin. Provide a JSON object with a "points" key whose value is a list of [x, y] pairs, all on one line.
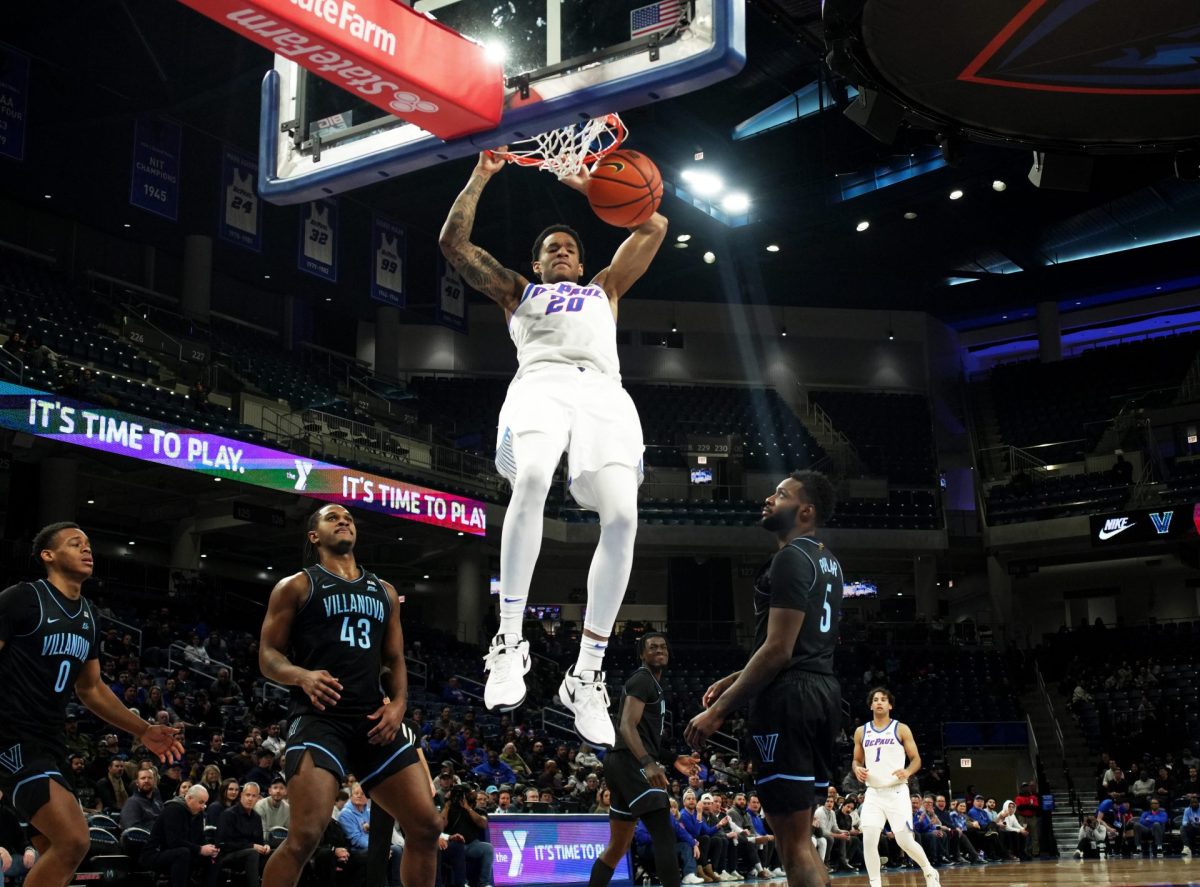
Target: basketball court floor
{"points": [[1047, 873]]}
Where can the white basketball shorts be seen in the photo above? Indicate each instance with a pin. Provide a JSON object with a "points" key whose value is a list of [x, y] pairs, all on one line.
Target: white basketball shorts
{"points": [[588, 413], [891, 805]]}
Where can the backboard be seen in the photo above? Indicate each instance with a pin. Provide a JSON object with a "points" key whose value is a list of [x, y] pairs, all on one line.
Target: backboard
{"points": [[564, 61]]}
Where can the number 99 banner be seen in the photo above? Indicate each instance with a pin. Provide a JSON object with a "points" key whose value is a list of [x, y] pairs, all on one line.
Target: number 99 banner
{"points": [[387, 262]]}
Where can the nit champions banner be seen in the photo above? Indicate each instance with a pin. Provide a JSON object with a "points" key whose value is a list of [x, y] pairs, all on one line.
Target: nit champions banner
{"points": [[387, 262], [100, 428], [14, 102], [154, 184], [545, 850], [241, 210]]}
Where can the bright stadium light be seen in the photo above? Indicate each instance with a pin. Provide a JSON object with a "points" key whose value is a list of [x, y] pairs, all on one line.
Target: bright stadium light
{"points": [[772, 247], [683, 238], [703, 183], [710, 257], [862, 226], [736, 203], [956, 194]]}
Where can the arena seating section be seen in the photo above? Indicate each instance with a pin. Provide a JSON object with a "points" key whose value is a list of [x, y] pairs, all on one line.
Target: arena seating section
{"points": [[892, 433]]}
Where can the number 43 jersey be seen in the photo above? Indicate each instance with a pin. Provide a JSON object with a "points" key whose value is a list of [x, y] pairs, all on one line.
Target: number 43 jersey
{"points": [[565, 323], [803, 575], [340, 629]]}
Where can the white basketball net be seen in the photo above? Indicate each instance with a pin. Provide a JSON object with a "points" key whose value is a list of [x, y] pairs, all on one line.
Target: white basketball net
{"points": [[567, 150]]}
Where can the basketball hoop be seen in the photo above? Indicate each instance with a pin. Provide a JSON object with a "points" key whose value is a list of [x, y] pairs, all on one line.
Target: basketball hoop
{"points": [[567, 150]]}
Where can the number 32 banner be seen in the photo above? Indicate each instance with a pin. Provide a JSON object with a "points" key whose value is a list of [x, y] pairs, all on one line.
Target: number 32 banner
{"points": [[387, 262], [154, 185], [318, 240], [241, 216]]}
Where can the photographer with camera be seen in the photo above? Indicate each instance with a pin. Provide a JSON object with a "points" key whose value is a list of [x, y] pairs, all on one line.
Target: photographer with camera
{"points": [[465, 838]]}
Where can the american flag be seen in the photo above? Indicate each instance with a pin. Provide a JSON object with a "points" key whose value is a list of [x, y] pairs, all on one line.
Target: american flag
{"points": [[661, 16]]}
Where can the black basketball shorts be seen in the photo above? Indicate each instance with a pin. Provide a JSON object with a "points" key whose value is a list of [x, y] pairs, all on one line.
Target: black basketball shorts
{"points": [[339, 745], [793, 725], [26, 768], [632, 795]]}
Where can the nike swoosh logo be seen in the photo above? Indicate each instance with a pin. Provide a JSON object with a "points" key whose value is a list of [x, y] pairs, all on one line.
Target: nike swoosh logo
{"points": [[330, 585], [52, 621], [1108, 534]]}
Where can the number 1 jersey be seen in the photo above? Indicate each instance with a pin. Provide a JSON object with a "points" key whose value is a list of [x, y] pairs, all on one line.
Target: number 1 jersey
{"points": [[803, 575], [340, 629]]}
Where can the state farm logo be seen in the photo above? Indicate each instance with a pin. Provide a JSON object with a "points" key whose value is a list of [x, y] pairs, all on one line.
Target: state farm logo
{"points": [[407, 102]]}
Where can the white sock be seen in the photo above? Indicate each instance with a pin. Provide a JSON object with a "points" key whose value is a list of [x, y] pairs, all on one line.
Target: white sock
{"points": [[591, 654], [536, 455], [615, 488]]}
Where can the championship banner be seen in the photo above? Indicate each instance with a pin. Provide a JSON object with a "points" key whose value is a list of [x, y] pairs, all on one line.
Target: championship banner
{"points": [[154, 185], [62, 419], [536, 850], [318, 240], [241, 210], [388, 247], [452, 296], [14, 102]]}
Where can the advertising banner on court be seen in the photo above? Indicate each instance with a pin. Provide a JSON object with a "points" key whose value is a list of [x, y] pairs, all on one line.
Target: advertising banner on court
{"points": [[452, 296], [536, 850], [14, 102], [381, 52], [154, 183], [111, 431], [318, 240], [1139, 525], [388, 247], [241, 210]]}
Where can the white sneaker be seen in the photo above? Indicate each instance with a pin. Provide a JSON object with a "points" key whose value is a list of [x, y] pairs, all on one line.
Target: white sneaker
{"points": [[506, 664], [587, 698], [933, 879], [728, 876], [778, 872], [1079, 854], [692, 879], [1187, 851]]}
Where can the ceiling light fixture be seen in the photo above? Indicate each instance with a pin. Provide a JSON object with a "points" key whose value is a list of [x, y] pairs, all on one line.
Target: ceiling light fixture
{"points": [[999, 185], [772, 247], [736, 203], [683, 238], [910, 215], [703, 183], [862, 226], [956, 194], [710, 257]]}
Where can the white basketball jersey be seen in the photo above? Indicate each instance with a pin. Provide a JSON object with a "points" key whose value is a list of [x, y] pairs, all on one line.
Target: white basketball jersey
{"points": [[388, 270], [565, 323], [884, 754], [318, 235], [241, 203]]}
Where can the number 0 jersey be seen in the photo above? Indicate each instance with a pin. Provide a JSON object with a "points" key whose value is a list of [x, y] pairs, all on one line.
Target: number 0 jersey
{"points": [[47, 639], [565, 323], [803, 575], [340, 629]]}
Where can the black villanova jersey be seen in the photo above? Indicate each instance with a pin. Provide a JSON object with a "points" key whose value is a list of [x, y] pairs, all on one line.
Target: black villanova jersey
{"points": [[803, 575], [47, 639], [643, 686], [340, 629]]}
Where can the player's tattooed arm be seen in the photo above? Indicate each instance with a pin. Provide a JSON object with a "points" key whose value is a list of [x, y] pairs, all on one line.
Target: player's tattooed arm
{"points": [[478, 268]]}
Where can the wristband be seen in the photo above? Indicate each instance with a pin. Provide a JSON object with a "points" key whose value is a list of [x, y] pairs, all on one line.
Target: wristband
{"points": [[647, 760]]}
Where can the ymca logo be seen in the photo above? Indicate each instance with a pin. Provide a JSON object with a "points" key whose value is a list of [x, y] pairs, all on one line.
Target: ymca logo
{"points": [[516, 846], [11, 759], [302, 472], [766, 747]]}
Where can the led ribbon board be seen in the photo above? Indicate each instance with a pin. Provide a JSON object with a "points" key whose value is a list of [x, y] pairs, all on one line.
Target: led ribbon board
{"points": [[111, 431], [550, 850]]}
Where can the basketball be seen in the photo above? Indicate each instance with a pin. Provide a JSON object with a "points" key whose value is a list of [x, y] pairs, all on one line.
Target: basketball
{"points": [[625, 189]]}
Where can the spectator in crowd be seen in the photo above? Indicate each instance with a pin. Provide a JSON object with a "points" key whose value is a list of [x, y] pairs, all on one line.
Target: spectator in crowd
{"points": [[144, 805], [195, 653], [214, 755], [751, 860], [1164, 786], [585, 790], [17, 854], [223, 691], [1116, 815], [245, 760], [942, 831], [176, 845], [240, 836], [465, 838], [1151, 829], [717, 819], [264, 772], [1013, 833], [332, 852], [227, 796], [838, 839], [210, 778], [549, 778], [274, 811], [1190, 784], [113, 789], [493, 771], [1093, 835], [77, 743], [1189, 829], [981, 831], [453, 693], [1029, 811], [766, 840], [687, 850], [512, 759], [504, 802], [1142, 788], [355, 820], [1115, 784], [586, 758], [711, 859], [83, 788], [273, 742], [603, 802], [924, 829]]}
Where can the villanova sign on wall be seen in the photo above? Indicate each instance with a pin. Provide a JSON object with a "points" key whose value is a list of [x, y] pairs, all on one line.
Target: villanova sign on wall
{"points": [[1140, 525]]}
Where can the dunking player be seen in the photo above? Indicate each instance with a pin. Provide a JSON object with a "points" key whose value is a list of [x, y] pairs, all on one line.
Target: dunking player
{"points": [[47, 646], [329, 631], [880, 748], [567, 395], [636, 778], [795, 701]]}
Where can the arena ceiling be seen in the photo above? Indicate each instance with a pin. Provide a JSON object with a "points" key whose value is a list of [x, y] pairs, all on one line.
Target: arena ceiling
{"points": [[99, 65]]}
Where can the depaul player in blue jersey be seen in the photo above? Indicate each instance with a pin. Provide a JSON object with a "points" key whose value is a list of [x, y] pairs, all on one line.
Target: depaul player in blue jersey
{"points": [[47, 647], [330, 631]]}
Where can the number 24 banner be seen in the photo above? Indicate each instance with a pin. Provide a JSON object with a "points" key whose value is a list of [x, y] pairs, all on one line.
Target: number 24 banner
{"points": [[241, 210]]}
